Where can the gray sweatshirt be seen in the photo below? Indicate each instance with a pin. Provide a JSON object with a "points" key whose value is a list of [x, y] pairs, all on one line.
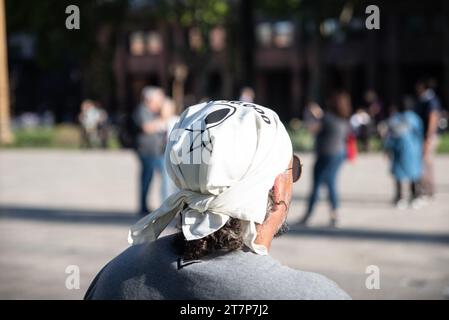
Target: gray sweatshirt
{"points": [[154, 271]]}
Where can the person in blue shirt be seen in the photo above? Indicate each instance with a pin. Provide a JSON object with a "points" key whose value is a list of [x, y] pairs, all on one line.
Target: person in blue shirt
{"points": [[404, 143]]}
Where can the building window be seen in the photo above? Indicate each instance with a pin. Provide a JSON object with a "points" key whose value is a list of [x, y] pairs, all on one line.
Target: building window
{"points": [[280, 34], [217, 38], [154, 43], [195, 39], [283, 34], [329, 27], [264, 34], [141, 43], [137, 43]]}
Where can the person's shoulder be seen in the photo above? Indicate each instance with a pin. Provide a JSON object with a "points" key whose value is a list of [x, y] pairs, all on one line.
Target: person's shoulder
{"points": [[285, 282], [146, 259], [411, 114], [312, 285], [163, 245], [414, 117], [327, 121], [435, 104]]}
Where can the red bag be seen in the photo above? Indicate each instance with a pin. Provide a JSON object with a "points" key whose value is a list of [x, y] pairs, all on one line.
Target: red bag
{"points": [[351, 147]]}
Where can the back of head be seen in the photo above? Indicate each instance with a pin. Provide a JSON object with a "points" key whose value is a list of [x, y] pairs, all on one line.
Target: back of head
{"points": [[247, 95], [227, 238], [421, 86], [224, 156], [340, 104], [407, 104], [153, 98], [87, 104], [370, 96]]}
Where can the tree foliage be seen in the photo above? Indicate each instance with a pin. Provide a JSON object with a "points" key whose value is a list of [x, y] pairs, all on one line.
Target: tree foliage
{"points": [[45, 19]]}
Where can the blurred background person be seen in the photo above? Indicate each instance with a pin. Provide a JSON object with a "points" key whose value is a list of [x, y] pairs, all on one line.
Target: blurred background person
{"points": [[103, 126], [89, 118], [361, 125], [169, 117], [374, 106], [151, 141], [247, 95], [403, 144], [203, 99], [312, 116], [330, 148], [428, 109]]}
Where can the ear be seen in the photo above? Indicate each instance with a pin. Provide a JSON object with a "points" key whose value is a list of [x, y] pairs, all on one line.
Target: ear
{"points": [[278, 191]]}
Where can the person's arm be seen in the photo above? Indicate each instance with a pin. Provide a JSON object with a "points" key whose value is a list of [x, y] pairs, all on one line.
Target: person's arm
{"points": [[153, 126], [434, 117], [148, 125], [387, 140], [431, 130], [317, 112], [314, 127]]}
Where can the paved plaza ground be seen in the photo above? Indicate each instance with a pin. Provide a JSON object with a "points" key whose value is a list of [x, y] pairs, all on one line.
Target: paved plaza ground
{"points": [[61, 208]]}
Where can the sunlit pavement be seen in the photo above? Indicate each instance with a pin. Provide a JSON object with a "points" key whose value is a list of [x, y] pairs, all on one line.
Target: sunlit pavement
{"points": [[62, 208]]}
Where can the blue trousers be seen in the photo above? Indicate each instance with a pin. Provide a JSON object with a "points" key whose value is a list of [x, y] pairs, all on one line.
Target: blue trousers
{"points": [[325, 171], [148, 165]]}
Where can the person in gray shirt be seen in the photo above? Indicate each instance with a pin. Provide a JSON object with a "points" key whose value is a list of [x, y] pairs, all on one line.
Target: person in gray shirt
{"points": [[330, 149], [151, 141], [222, 251]]}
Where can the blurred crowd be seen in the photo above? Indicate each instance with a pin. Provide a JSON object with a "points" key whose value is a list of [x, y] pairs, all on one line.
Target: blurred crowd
{"points": [[151, 124], [408, 131]]}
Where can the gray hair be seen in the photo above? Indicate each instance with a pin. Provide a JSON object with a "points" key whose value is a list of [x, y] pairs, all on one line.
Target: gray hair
{"points": [[149, 92], [229, 237]]}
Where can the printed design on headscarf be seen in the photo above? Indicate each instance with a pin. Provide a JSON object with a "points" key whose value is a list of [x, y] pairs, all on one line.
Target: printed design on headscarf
{"points": [[202, 138], [255, 108]]}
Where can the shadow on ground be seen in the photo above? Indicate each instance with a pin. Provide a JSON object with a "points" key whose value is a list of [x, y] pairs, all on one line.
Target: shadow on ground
{"points": [[128, 218], [369, 234], [68, 215], [374, 201]]}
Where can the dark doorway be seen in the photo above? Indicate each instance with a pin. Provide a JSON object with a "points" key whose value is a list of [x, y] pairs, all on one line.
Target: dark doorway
{"points": [[278, 92], [214, 85]]}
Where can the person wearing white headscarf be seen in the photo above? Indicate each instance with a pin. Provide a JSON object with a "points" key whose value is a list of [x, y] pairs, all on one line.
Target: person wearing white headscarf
{"points": [[234, 166]]}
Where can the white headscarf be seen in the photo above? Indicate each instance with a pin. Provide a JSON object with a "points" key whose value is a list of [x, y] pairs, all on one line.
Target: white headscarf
{"points": [[224, 157]]}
